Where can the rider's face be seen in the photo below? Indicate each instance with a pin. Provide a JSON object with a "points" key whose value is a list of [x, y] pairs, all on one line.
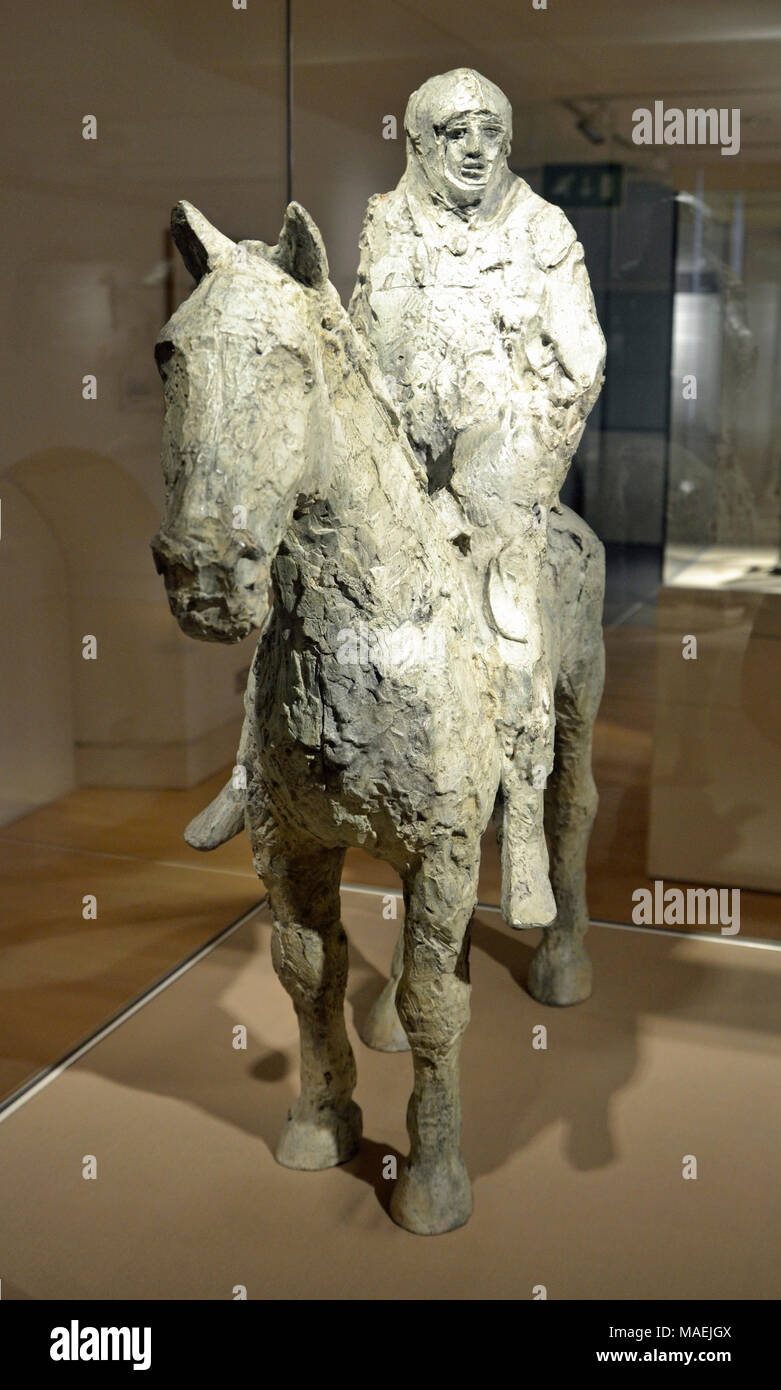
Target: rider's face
{"points": [[473, 149]]}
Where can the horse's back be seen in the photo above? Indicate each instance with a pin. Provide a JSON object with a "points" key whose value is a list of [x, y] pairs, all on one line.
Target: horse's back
{"points": [[576, 588]]}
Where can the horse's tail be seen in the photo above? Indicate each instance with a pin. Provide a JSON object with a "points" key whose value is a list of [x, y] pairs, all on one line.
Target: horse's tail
{"points": [[218, 822]]}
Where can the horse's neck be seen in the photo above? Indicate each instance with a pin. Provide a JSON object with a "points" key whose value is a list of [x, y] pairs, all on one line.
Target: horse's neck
{"points": [[373, 489], [367, 430]]}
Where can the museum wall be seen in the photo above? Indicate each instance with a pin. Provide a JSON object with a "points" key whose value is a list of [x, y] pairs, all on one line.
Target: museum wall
{"points": [[92, 282]]}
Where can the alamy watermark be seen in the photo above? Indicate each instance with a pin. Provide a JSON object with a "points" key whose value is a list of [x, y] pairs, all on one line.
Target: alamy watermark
{"points": [[391, 649], [77, 1343], [690, 907], [697, 125]]}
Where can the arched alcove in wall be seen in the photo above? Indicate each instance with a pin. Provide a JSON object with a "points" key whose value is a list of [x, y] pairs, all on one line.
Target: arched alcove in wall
{"points": [[36, 728], [152, 708]]}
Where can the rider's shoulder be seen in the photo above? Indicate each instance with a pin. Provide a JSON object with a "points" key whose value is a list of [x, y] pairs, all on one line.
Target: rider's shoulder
{"points": [[374, 210], [551, 233], [386, 209]]}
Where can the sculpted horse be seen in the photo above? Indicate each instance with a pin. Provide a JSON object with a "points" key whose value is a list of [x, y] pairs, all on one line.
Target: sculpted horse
{"points": [[296, 507]]}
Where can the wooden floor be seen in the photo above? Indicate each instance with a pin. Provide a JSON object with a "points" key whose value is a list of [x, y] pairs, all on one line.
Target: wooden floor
{"points": [[62, 976]]}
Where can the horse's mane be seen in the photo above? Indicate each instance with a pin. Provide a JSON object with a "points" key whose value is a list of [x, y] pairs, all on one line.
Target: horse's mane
{"points": [[361, 358]]}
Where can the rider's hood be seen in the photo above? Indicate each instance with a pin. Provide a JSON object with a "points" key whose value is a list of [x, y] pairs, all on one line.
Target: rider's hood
{"points": [[429, 109]]}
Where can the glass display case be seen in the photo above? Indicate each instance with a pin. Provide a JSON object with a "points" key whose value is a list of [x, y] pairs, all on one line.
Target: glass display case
{"points": [[117, 729]]}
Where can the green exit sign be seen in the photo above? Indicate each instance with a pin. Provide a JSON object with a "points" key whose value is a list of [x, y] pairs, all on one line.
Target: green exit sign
{"points": [[582, 185]]}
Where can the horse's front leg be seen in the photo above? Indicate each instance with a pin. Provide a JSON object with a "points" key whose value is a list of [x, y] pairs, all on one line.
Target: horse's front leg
{"points": [[433, 1192], [309, 951]]}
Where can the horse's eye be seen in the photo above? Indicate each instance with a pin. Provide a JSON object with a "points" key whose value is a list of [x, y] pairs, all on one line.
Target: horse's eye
{"points": [[163, 353]]}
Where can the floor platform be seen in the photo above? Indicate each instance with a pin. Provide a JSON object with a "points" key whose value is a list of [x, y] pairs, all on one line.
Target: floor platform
{"points": [[576, 1152]]}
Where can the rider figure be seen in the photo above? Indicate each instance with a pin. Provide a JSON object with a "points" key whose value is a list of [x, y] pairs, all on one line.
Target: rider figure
{"points": [[475, 296]]}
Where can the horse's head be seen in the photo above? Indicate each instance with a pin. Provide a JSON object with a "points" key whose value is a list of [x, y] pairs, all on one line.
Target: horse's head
{"points": [[240, 445]]}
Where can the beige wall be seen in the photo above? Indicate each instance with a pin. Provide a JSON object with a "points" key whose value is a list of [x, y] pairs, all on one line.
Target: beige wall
{"points": [[36, 728], [189, 104]]}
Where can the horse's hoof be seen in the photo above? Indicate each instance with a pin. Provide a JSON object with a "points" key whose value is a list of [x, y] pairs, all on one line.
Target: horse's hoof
{"points": [[382, 1028], [321, 1140], [430, 1201], [560, 977]]}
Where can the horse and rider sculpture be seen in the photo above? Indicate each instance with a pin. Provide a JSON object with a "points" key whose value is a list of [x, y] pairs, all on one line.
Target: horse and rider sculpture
{"points": [[395, 470]]}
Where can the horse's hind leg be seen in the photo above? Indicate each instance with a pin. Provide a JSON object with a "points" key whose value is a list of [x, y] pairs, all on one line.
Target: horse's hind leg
{"points": [[309, 950], [382, 1028], [560, 971], [433, 1193]]}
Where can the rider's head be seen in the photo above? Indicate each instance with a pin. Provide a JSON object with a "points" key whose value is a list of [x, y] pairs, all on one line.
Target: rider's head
{"points": [[459, 128]]}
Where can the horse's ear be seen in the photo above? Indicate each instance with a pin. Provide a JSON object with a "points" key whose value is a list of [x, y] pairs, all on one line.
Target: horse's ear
{"points": [[200, 245], [300, 250]]}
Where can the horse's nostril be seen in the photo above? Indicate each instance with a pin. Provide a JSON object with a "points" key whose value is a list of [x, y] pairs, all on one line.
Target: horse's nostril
{"points": [[164, 351], [157, 554], [247, 570]]}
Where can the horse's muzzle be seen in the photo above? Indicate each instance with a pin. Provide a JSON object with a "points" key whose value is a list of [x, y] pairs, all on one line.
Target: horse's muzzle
{"points": [[215, 601]]}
